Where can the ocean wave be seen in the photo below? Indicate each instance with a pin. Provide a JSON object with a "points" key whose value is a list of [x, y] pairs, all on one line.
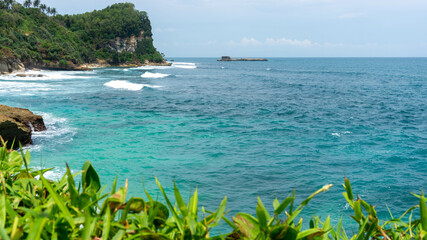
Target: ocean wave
{"points": [[150, 67], [57, 132], [45, 75], [54, 174], [154, 75], [184, 65], [121, 84], [10, 86]]}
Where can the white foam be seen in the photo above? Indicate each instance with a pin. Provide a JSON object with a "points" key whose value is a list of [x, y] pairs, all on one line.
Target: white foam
{"points": [[120, 84], [10, 86], [46, 75], [57, 129], [184, 65], [154, 75], [150, 67], [268, 69], [336, 134], [54, 174]]}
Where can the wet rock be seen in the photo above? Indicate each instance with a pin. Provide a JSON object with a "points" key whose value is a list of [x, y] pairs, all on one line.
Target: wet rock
{"points": [[18, 123]]}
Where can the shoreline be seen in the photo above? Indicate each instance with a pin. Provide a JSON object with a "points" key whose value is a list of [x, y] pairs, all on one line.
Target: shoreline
{"points": [[84, 67]]}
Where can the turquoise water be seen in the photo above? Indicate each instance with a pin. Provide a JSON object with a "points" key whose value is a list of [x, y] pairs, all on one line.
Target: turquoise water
{"points": [[241, 129]]}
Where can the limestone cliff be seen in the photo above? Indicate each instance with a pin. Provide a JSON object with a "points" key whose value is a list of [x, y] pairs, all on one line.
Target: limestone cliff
{"points": [[128, 44], [9, 63]]}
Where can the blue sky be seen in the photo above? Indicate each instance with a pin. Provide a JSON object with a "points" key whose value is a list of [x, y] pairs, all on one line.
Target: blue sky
{"points": [[280, 28]]}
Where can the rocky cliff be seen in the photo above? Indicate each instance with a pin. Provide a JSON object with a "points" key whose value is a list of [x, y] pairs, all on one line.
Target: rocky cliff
{"points": [[17, 124], [9, 63], [128, 44]]}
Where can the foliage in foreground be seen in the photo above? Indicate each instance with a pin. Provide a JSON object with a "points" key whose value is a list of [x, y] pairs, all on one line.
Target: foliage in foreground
{"points": [[34, 207]]}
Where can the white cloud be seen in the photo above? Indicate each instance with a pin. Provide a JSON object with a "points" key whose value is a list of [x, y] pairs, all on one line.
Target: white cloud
{"points": [[292, 42], [273, 42], [245, 42]]}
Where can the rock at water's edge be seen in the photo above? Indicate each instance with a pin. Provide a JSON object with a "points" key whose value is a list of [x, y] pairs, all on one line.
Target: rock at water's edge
{"points": [[9, 63], [11, 130], [18, 123]]}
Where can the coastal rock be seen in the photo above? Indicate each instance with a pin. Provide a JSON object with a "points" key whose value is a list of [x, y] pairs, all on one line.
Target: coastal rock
{"points": [[29, 75], [18, 123], [9, 63], [125, 44], [11, 130]]}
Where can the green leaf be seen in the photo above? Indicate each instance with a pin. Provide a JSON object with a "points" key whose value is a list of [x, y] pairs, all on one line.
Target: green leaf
{"points": [[423, 212], [192, 205], [89, 226], [59, 202], [107, 224], [119, 235], [283, 233], [323, 189], [262, 216], [37, 228], [84, 201], [3, 234], [220, 211], [310, 232], [90, 178], [358, 210], [347, 187], [181, 204], [71, 187], [283, 205], [179, 221], [374, 224], [276, 203], [247, 225], [137, 205], [2, 210]]}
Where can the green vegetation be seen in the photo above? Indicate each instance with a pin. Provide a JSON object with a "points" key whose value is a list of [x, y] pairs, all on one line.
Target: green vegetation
{"points": [[39, 37], [34, 207]]}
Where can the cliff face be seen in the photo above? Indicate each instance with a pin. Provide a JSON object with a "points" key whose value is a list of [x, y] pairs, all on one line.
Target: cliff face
{"points": [[9, 62], [129, 44]]}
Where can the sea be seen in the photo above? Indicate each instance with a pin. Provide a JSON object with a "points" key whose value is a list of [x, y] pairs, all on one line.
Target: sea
{"points": [[240, 129]]}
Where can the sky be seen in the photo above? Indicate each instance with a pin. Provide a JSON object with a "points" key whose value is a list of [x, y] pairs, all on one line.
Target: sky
{"points": [[279, 28]]}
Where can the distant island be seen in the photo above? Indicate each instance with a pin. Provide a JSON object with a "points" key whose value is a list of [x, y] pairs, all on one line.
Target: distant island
{"points": [[33, 35], [228, 58]]}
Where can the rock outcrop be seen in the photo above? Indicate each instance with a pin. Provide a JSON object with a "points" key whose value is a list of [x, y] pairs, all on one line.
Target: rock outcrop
{"points": [[17, 124], [9, 63], [125, 44]]}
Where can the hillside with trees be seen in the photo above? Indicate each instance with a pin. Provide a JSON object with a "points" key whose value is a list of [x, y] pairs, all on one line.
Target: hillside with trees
{"points": [[39, 37]]}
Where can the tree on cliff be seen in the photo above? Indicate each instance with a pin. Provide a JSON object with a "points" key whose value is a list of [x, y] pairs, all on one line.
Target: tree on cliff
{"points": [[6, 4], [43, 7], [28, 3], [36, 3]]}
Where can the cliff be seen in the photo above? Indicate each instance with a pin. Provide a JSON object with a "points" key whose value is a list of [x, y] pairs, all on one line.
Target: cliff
{"points": [[9, 62], [37, 38], [17, 124]]}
